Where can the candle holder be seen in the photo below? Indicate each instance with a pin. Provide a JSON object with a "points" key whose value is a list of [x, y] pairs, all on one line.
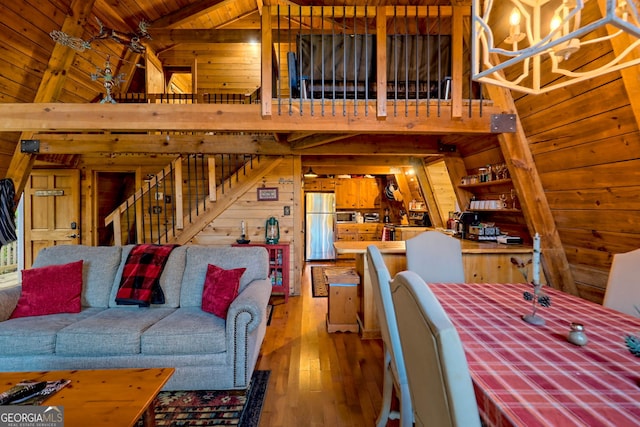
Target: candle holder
{"points": [[537, 298], [243, 237]]}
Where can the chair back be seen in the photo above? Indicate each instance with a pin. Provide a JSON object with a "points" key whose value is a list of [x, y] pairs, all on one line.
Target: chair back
{"points": [[623, 286], [381, 286], [439, 381], [435, 257]]}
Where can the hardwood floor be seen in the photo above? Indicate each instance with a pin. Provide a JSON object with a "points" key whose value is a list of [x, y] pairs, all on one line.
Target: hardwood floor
{"points": [[317, 378]]}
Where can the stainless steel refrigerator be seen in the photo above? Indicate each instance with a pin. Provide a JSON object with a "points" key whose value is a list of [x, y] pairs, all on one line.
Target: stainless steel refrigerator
{"points": [[320, 222]]}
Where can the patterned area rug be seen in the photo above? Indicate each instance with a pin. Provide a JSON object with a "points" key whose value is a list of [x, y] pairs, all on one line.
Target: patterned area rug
{"points": [[318, 285], [213, 408]]}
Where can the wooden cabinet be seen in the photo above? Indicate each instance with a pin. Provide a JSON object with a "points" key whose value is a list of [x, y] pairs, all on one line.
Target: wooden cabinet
{"points": [[406, 233], [278, 267], [346, 194], [319, 184], [357, 193], [357, 232]]}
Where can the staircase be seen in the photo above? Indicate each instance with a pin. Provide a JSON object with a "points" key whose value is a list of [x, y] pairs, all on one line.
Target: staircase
{"points": [[177, 203]]}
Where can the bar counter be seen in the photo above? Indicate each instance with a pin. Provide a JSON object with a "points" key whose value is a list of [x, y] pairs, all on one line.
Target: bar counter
{"points": [[484, 262]]}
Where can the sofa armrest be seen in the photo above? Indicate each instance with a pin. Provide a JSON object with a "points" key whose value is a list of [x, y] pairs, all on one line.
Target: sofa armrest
{"points": [[8, 301], [253, 300]]}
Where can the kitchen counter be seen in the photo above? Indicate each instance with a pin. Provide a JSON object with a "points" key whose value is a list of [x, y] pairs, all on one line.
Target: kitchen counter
{"points": [[484, 262], [398, 247]]}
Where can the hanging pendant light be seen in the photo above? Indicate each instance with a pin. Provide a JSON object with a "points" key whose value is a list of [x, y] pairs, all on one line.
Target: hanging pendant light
{"points": [[310, 173], [530, 45]]}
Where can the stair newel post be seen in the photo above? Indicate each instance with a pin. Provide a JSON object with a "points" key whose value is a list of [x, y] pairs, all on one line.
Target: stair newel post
{"points": [[212, 179], [117, 231]]}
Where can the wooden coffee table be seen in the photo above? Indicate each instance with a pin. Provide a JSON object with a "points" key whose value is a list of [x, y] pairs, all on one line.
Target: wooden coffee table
{"points": [[101, 397]]}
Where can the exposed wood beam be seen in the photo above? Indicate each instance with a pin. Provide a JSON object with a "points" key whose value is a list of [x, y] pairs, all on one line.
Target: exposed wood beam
{"points": [[535, 207], [317, 139], [357, 160], [231, 117], [236, 19], [297, 136], [427, 190], [629, 74], [50, 87], [355, 170], [165, 35], [128, 67], [188, 13], [457, 169], [380, 145]]}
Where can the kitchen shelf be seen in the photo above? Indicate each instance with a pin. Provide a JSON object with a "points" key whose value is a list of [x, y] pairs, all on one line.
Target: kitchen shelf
{"points": [[486, 183]]}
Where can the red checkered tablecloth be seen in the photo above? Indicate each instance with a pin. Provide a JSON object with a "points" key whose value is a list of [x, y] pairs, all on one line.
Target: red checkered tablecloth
{"points": [[527, 375]]}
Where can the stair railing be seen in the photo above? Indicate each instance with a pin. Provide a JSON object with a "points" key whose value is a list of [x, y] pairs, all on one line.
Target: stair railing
{"points": [[177, 195]]}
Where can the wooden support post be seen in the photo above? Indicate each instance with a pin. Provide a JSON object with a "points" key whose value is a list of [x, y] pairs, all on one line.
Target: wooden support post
{"points": [[381, 62], [535, 207], [456, 62], [427, 191], [457, 169], [267, 64]]}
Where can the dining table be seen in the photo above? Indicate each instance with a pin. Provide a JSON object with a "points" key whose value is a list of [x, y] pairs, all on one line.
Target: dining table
{"points": [[527, 375]]}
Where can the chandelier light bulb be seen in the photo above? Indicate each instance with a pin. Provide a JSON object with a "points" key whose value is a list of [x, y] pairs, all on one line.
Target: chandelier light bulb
{"points": [[514, 18], [515, 35]]}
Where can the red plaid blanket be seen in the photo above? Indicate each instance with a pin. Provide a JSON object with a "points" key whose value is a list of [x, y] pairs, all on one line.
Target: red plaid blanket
{"points": [[140, 282]]}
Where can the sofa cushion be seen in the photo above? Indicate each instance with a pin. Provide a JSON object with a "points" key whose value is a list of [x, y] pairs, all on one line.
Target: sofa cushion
{"points": [[27, 336], [99, 270], [110, 332], [50, 290], [185, 331], [220, 289], [170, 280], [254, 258]]}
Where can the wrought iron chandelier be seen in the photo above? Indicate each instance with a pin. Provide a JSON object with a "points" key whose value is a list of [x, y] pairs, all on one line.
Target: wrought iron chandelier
{"points": [[535, 46], [132, 41]]}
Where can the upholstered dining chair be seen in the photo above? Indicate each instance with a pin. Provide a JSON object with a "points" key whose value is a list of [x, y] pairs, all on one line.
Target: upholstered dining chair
{"points": [[439, 380], [623, 286], [395, 375], [435, 257]]}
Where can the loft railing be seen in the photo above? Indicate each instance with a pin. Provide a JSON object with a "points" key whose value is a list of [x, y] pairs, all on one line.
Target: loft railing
{"points": [[335, 59], [174, 198], [188, 98]]}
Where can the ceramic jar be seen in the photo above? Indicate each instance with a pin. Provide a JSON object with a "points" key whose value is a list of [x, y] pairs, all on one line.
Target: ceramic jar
{"points": [[577, 335]]}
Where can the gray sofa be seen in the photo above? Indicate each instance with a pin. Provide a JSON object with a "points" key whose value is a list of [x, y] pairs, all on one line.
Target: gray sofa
{"points": [[207, 352]]}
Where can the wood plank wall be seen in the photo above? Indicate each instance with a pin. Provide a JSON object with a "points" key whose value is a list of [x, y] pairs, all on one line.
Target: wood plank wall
{"points": [[221, 67], [586, 147], [225, 229]]}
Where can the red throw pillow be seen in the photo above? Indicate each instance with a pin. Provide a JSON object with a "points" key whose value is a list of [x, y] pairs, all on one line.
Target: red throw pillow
{"points": [[220, 289], [49, 290]]}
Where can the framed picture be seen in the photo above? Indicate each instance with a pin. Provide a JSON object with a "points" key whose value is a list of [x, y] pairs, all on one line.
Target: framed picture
{"points": [[267, 194]]}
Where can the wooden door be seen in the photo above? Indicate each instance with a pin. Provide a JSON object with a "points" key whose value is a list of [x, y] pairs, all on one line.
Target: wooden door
{"points": [[52, 210]]}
